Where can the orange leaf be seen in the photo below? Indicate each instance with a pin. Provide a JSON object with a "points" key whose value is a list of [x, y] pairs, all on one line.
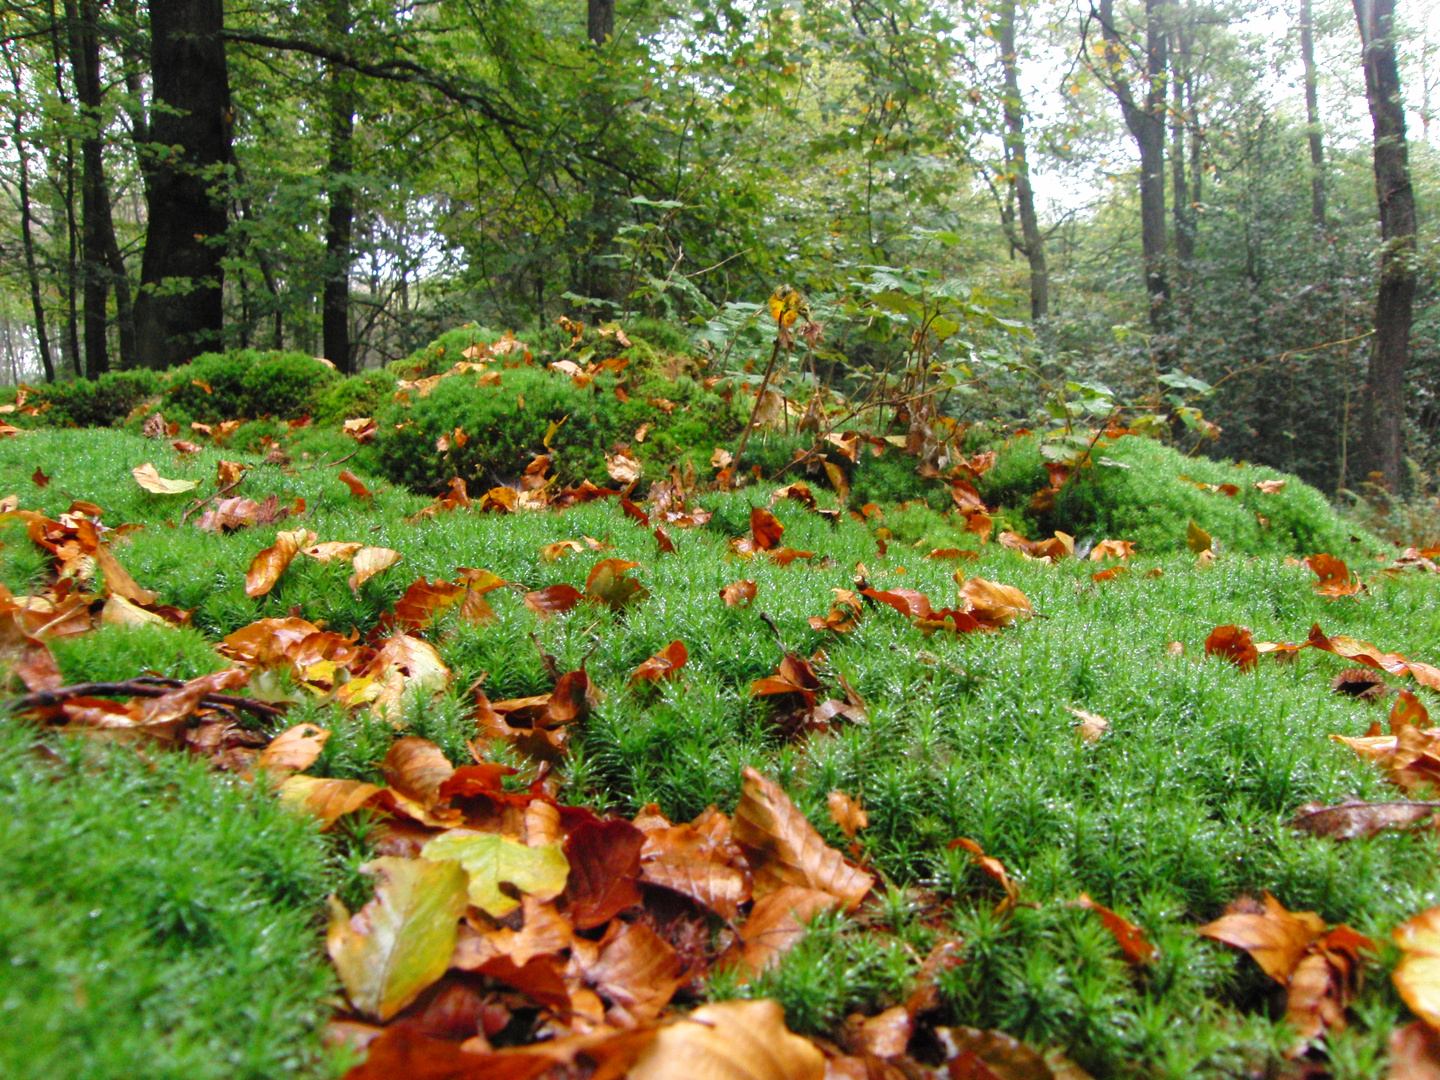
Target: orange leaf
{"points": [[357, 489], [665, 664], [1235, 644], [765, 528], [369, 561], [268, 565], [1335, 577], [293, 749], [992, 866], [553, 599], [1276, 938], [1128, 936], [847, 813], [739, 593], [609, 584], [784, 849]]}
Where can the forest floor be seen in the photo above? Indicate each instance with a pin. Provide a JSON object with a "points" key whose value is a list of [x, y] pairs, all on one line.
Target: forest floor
{"points": [[164, 912]]}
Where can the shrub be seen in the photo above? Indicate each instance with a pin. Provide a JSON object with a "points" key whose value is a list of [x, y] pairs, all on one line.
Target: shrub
{"points": [[442, 353], [1138, 490], [285, 385], [506, 425], [222, 395], [364, 394], [102, 402]]}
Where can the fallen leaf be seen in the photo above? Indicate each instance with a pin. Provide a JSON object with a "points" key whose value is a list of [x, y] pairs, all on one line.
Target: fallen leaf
{"points": [[784, 849], [1092, 726], [721, 457], [1235, 644], [622, 466], [1335, 577], [357, 489], [1112, 549], [1356, 820], [609, 584], [268, 565], [327, 799], [1414, 1052], [993, 604], [665, 664], [368, 562], [399, 943], [638, 972], [1128, 936], [40, 480], [604, 860], [293, 750], [847, 813], [553, 599], [118, 581], [1417, 976], [1197, 539], [491, 860], [146, 476], [993, 867], [1274, 937], [730, 1040], [765, 528], [777, 923], [1270, 487], [739, 593]]}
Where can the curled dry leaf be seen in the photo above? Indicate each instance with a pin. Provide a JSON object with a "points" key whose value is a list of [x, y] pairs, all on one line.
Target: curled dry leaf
{"points": [[993, 604], [558, 550], [777, 923], [1356, 820], [793, 676], [637, 971], [699, 860], [739, 593], [553, 599], [765, 528], [784, 849], [327, 799], [1335, 578], [293, 750], [1417, 976], [731, 1040], [332, 551], [357, 489], [146, 476], [622, 466], [993, 867], [610, 584], [847, 813], [1128, 936], [1112, 549], [720, 457], [1092, 726], [118, 581], [604, 860], [268, 565], [665, 664], [1235, 644], [369, 561], [401, 941], [1197, 539]]}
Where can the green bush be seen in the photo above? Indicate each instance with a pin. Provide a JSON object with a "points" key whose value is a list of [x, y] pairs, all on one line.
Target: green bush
{"points": [[102, 402], [506, 425], [285, 385], [1137, 490], [364, 394], [444, 352], [223, 395]]}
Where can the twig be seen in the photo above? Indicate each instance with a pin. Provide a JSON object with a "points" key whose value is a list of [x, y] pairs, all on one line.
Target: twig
{"points": [[759, 398], [198, 503], [146, 686], [329, 464]]}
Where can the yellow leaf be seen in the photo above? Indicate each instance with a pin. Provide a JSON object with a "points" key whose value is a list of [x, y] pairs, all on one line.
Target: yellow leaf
{"points": [[401, 942], [1197, 539], [370, 561], [491, 860], [146, 476]]}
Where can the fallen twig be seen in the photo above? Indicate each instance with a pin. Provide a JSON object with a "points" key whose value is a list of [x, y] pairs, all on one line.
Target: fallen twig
{"points": [[146, 686]]}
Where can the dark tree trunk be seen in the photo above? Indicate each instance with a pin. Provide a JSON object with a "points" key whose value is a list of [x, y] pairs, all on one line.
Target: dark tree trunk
{"points": [[180, 312], [335, 312], [27, 236], [1146, 121], [1312, 116], [600, 19], [70, 342], [1384, 404], [1033, 243], [1183, 212]]}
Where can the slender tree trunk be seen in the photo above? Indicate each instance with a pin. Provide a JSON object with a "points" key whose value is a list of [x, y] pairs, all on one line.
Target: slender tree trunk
{"points": [[335, 310], [1384, 403], [1146, 121], [600, 20], [186, 221], [27, 235], [1312, 116], [1179, 189], [70, 343], [1019, 162]]}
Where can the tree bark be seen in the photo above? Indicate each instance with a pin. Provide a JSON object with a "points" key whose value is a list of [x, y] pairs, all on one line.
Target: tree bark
{"points": [[335, 311], [180, 311], [1146, 121], [1033, 244], [27, 236], [600, 20], [1384, 402], [1312, 116], [1181, 209]]}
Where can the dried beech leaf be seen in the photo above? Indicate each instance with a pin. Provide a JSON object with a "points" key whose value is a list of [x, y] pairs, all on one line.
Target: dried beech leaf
{"points": [[293, 750], [492, 860], [327, 799], [401, 942], [1417, 976], [731, 1040], [369, 561], [784, 849], [146, 476]]}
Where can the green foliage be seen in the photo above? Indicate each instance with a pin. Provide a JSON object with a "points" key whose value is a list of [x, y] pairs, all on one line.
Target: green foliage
{"points": [[1144, 497], [246, 383], [153, 922], [285, 385], [444, 352], [116, 653], [99, 403], [506, 425], [364, 394]]}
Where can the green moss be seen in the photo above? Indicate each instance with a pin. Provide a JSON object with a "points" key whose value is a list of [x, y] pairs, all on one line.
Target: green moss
{"points": [[99, 403], [153, 921], [444, 352], [364, 394], [115, 653]]}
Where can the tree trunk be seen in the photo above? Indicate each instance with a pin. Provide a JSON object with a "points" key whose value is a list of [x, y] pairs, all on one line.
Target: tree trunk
{"points": [[1384, 403], [1312, 116], [335, 311], [27, 236], [1146, 122], [1015, 154], [600, 20], [1179, 190], [180, 311], [70, 342]]}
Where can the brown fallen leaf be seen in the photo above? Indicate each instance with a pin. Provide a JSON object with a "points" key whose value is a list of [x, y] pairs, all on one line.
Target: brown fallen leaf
{"points": [[149, 479], [739, 593], [1335, 577], [553, 599], [610, 584], [665, 664], [353, 482], [730, 1040], [327, 799], [994, 868], [1417, 976], [847, 813], [268, 565], [1235, 644], [783, 848], [368, 562], [1355, 820], [604, 859], [1092, 726], [765, 528], [777, 923], [1414, 1052], [293, 750], [1128, 936], [637, 971], [993, 604]]}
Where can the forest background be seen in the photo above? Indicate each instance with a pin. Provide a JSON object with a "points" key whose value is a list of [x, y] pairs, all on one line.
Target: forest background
{"points": [[1164, 205]]}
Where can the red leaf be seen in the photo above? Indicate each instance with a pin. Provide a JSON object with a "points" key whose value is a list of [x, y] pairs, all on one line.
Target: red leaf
{"points": [[604, 861], [765, 528], [665, 664], [1233, 643]]}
